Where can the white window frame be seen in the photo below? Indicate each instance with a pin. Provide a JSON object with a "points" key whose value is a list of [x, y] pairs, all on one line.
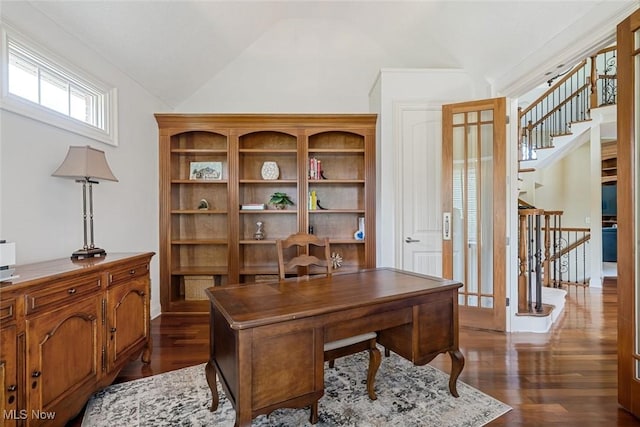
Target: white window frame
{"points": [[16, 104]]}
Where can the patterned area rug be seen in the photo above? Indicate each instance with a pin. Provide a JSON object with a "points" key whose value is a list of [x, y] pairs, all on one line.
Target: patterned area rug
{"points": [[408, 395]]}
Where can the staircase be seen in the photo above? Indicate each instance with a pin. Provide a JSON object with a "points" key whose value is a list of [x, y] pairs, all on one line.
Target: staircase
{"points": [[560, 119], [579, 133], [551, 127]]}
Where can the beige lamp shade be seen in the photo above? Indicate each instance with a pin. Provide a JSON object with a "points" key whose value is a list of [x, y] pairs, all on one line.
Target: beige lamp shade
{"points": [[85, 163]]}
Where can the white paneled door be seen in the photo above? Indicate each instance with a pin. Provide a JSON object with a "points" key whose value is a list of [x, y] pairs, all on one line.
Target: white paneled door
{"points": [[419, 141]]}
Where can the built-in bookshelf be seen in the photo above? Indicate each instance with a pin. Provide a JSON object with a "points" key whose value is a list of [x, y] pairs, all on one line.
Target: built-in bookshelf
{"points": [[609, 159], [609, 176], [221, 229]]}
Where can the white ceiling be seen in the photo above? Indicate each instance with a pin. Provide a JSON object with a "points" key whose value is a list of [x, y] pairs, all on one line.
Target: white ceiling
{"points": [[173, 48]]}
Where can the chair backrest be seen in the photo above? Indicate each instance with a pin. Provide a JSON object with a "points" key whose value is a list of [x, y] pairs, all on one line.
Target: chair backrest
{"points": [[307, 241]]}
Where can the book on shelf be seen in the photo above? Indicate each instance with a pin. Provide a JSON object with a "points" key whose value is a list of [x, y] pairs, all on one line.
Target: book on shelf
{"points": [[313, 200], [315, 169], [253, 207]]}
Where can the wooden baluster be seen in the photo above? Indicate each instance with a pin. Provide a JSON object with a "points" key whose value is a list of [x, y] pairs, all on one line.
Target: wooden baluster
{"points": [[522, 278], [529, 140], [520, 134], [538, 255], [547, 245], [593, 80]]}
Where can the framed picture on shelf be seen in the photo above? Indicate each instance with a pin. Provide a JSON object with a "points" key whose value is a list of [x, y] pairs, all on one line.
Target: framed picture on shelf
{"points": [[207, 171]]}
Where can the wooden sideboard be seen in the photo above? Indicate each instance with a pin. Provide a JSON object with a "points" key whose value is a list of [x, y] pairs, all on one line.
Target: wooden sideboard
{"points": [[66, 329]]}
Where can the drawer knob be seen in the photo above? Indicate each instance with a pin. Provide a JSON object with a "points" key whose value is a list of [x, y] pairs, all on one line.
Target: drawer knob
{"points": [[36, 374], [113, 330], [12, 388], [71, 291], [132, 272]]}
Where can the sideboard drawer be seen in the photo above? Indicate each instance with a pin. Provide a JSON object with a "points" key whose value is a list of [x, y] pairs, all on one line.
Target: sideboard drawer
{"points": [[64, 292], [7, 310], [125, 274]]}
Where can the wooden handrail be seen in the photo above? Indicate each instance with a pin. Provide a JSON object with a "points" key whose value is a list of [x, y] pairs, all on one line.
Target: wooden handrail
{"points": [[551, 89], [584, 239], [559, 106], [537, 211], [606, 49], [526, 204], [583, 229], [525, 212]]}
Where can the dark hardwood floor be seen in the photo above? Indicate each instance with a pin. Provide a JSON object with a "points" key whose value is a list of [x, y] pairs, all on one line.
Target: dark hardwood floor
{"points": [[566, 377]]}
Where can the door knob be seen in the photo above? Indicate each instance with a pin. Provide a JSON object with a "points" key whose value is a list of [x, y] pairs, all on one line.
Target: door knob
{"points": [[410, 240]]}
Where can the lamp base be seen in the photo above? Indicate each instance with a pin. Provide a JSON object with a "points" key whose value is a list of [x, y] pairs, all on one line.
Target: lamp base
{"points": [[88, 253]]}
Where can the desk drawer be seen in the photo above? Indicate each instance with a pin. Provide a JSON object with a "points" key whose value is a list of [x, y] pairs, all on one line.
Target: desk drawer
{"points": [[61, 293], [368, 323], [134, 271]]}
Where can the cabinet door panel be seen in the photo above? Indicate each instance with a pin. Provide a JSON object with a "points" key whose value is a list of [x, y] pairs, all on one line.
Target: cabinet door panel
{"points": [[63, 355], [8, 377], [128, 320]]}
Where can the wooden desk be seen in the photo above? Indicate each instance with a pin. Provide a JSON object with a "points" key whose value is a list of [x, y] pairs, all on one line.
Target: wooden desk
{"points": [[267, 340]]}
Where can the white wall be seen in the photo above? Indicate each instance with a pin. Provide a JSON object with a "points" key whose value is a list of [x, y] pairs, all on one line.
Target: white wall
{"points": [[565, 187], [43, 214], [278, 74]]}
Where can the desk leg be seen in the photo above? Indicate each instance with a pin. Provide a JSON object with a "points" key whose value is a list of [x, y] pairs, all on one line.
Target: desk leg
{"points": [[146, 353], [457, 363], [210, 373]]}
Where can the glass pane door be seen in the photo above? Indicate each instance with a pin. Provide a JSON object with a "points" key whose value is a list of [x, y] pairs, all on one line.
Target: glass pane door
{"points": [[474, 152]]}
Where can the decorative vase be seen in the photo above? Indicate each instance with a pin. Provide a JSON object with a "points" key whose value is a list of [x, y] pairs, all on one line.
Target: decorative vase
{"points": [[259, 234], [203, 205], [270, 170]]}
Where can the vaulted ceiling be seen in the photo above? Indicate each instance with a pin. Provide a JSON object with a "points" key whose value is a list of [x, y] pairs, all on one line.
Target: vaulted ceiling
{"points": [[173, 48]]}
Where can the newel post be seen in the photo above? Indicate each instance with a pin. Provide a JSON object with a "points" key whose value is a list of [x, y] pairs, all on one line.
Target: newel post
{"points": [[523, 305]]}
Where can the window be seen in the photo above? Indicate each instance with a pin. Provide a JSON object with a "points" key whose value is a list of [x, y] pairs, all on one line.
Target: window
{"points": [[41, 88]]}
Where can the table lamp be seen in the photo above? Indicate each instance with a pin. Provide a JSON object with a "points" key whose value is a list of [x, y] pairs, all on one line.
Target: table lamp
{"points": [[86, 165]]}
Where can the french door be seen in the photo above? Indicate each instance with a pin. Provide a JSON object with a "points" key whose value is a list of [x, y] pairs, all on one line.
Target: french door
{"points": [[474, 209], [628, 109]]}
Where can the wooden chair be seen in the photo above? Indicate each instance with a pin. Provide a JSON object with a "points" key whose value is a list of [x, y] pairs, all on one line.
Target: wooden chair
{"points": [[315, 266]]}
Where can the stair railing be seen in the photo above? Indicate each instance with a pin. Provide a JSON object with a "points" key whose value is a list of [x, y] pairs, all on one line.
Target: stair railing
{"points": [[549, 255], [551, 114], [568, 261], [604, 77], [592, 82]]}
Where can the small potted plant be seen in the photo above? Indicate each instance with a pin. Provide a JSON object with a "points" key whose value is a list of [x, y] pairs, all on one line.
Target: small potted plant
{"points": [[280, 200]]}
